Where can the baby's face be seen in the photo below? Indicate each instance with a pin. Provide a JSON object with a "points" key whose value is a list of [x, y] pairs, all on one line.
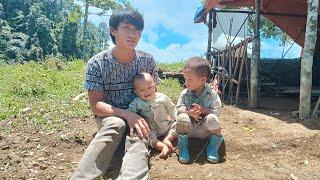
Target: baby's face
{"points": [[145, 89]]}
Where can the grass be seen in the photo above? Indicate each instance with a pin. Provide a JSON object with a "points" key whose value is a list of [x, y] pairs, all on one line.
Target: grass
{"points": [[171, 88], [175, 67], [41, 95]]}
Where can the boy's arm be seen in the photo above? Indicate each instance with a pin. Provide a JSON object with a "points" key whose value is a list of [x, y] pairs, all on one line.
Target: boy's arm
{"points": [[216, 105], [181, 106], [170, 107], [168, 139]]}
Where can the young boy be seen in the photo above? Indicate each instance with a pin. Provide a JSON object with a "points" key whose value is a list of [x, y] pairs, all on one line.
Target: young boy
{"points": [[198, 109], [156, 108]]}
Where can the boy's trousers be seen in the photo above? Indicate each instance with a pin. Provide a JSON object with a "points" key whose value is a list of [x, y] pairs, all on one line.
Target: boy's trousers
{"points": [[185, 125]]}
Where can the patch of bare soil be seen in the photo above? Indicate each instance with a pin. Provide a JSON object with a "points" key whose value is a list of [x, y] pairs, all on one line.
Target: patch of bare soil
{"points": [[261, 144]]}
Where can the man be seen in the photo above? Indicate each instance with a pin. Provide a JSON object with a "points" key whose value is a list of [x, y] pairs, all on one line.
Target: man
{"points": [[108, 80]]}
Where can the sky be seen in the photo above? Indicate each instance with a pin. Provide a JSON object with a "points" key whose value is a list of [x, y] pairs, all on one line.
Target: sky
{"points": [[171, 36]]}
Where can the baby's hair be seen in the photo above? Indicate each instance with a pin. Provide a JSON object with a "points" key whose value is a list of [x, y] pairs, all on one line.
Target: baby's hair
{"points": [[141, 76], [199, 65]]}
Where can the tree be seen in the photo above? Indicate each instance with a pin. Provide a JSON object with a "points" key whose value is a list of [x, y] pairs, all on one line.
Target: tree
{"points": [[68, 44], [104, 33], [34, 29], [92, 42], [307, 58]]}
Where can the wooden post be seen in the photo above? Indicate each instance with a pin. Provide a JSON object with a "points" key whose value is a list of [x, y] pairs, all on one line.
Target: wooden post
{"points": [[316, 108], [255, 58], [307, 59], [209, 35]]}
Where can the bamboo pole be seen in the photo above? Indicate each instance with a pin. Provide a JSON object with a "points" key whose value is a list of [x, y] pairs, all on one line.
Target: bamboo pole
{"points": [[307, 59], [209, 35]]}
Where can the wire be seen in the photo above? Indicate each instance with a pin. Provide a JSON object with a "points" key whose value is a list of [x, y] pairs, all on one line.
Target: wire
{"points": [[222, 28]]}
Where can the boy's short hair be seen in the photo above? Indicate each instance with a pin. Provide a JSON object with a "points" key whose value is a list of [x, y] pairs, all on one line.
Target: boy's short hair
{"points": [[141, 76], [132, 17], [199, 65]]}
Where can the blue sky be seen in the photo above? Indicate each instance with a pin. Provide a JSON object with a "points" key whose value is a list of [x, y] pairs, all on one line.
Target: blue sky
{"points": [[170, 34]]}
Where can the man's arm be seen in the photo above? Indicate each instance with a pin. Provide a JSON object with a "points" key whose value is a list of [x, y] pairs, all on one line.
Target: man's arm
{"points": [[100, 108]]}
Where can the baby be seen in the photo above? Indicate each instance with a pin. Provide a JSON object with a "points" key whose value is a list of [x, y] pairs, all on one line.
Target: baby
{"points": [[157, 109]]}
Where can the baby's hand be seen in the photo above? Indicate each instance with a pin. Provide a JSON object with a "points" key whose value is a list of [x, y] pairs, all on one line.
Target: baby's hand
{"points": [[164, 152], [168, 143]]}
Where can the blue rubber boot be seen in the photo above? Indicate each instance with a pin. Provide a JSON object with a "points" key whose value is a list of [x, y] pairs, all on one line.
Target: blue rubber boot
{"points": [[183, 144], [213, 147]]}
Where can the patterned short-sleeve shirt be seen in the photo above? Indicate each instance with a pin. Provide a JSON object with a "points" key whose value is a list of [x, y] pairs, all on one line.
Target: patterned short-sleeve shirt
{"points": [[104, 73]]}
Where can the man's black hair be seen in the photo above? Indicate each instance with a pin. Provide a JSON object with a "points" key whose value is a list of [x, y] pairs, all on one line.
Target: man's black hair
{"points": [[132, 17]]}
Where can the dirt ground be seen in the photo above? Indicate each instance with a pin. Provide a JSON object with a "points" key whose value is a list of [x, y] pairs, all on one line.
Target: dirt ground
{"points": [[264, 143]]}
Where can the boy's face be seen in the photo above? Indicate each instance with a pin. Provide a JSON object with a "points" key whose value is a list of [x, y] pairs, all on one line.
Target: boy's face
{"points": [[126, 35], [145, 89], [193, 81]]}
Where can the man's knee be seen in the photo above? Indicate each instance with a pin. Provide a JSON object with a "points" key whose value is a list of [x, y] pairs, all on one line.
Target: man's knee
{"points": [[135, 145], [115, 123]]}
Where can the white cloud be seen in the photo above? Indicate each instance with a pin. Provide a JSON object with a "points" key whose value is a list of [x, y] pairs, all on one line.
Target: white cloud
{"points": [[176, 16]]}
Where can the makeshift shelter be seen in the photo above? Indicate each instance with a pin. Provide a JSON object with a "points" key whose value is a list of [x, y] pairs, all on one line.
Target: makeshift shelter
{"points": [[288, 15]]}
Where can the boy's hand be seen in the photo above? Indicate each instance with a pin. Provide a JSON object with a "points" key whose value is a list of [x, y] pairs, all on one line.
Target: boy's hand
{"points": [[203, 111], [197, 108], [164, 151], [168, 143], [195, 113]]}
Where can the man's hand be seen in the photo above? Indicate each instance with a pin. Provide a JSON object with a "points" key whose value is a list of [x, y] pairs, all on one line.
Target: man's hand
{"points": [[137, 123]]}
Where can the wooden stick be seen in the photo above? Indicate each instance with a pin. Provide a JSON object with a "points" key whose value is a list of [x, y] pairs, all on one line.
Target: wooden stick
{"points": [[316, 108]]}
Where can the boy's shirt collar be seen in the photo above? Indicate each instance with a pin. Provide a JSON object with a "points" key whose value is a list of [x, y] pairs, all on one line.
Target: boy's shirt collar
{"points": [[205, 90]]}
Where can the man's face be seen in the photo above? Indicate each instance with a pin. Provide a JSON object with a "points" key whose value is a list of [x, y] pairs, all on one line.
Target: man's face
{"points": [[145, 89], [126, 35], [193, 82]]}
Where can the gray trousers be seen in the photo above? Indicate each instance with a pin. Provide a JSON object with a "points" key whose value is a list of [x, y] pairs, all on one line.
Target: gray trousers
{"points": [[185, 125], [100, 152]]}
